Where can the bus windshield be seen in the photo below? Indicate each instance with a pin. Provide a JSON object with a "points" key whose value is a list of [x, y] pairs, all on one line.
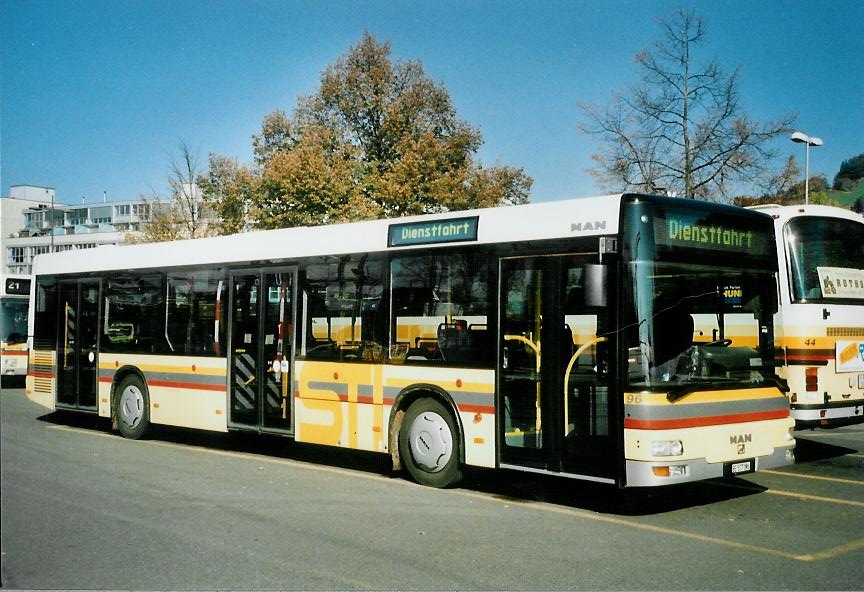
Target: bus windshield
{"points": [[698, 324], [826, 259], [700, 294], [13, 320]]}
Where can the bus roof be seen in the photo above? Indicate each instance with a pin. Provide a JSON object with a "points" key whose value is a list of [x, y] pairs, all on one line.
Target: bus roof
{"points": [[782, 214], [589, 216]]}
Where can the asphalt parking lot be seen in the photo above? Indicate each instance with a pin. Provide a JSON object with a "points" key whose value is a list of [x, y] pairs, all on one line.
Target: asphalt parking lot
{"points": [[84, 508]]}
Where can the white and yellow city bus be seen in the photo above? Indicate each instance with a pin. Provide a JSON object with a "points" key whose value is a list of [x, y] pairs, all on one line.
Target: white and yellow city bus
{"points": [[554, 337], [820, 326], [14, 300]]}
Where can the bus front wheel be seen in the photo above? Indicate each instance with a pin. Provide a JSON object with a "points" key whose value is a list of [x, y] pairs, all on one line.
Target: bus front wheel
{"points": [[133, 408], [429, 444]]}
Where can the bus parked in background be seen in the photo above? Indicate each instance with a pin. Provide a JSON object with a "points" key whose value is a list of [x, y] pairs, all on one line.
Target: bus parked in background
{"points": [[820, 327], [555, 338], [14, 299]]}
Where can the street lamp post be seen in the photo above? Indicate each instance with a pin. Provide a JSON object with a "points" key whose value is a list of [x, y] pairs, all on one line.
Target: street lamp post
{"points": [[51, 213], [802, 138]]}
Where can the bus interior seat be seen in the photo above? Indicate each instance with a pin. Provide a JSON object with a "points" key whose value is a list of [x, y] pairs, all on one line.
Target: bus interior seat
{"points": [[454, 341]]}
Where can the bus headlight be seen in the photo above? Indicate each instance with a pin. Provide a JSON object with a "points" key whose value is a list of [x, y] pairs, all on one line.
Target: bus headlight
{"points": [[667, 448]]}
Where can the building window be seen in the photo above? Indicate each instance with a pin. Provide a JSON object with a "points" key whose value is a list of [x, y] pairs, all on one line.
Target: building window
{"points": [[123, 210], [16, 255], [39, 250]]}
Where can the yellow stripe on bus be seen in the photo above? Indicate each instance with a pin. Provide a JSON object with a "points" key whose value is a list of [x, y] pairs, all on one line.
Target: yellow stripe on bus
{"points": [[170, 369]]}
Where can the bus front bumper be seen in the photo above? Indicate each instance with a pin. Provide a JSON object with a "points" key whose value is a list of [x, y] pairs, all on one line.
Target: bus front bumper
{"points": [[651, 474], [832, 415]]}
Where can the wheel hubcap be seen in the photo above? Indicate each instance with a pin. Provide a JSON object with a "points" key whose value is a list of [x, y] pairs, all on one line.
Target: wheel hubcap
{"points": [[131, 406], [431, 441]]}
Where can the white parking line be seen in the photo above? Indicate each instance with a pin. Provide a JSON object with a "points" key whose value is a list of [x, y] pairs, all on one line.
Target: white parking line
{"points": [[816, 477]]}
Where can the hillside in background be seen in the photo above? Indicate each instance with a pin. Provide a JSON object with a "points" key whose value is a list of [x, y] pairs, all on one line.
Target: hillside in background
{"points": [[848, 199]]}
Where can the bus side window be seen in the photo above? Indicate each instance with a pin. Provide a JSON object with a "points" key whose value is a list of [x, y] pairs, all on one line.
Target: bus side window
{"points": [[133, 313], [440, 310], [190, 326], [342, 300]]}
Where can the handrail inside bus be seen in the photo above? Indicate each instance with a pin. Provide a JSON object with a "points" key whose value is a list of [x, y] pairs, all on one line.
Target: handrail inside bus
{"points": [[167, 292], [536, 348], [573, 358]]}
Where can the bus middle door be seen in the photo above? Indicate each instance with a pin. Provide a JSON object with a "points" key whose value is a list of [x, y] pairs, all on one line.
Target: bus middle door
{"points": [[261, 350]]}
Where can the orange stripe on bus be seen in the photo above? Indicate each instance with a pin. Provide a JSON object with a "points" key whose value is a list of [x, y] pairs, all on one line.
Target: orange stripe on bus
{"points": [[40, 374], [188, 385], [695, 422], [15, 352], [476, 408]]}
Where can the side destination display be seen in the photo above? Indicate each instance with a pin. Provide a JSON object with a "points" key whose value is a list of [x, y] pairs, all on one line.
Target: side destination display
{"points": [[454, 230]]}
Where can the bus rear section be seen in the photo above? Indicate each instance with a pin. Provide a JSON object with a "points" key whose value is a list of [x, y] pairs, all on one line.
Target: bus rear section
{"points": [[701, 397], [821, 322]]}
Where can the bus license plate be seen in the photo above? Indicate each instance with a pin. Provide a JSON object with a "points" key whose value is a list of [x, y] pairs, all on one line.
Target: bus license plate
{"points": [[741, 467]]}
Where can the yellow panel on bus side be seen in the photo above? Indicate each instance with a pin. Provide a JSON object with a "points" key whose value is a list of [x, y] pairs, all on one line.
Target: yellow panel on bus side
{"points": [[349, 405]]}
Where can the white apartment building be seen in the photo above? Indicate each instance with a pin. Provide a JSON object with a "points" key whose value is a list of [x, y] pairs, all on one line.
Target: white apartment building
{"points": [[33, 223]]}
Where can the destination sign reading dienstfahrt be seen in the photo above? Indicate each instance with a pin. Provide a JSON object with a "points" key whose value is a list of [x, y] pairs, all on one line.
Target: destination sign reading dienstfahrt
{"points": [[454, 230]]}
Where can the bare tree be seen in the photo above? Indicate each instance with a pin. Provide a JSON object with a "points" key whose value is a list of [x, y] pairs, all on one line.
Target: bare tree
{"points": [[184, 215], [188, 203], [682, 127]]}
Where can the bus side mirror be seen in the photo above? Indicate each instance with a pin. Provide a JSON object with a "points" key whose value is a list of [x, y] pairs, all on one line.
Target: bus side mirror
{"points": [[595, 277]]}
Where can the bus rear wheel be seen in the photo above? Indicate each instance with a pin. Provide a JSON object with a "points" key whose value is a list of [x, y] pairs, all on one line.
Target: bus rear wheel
{"points": [[429, 444], [133, 408]]}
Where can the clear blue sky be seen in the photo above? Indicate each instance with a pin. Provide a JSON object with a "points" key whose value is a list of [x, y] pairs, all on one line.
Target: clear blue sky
{"points": [[96, 95]]}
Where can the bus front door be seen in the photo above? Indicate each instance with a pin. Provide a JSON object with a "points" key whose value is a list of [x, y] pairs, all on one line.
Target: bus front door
{"points": [[78, 333], [553, 377], [261, 342]]}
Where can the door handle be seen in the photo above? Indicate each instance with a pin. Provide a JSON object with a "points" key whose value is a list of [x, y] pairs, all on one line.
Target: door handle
{"points": [[505, 358]]}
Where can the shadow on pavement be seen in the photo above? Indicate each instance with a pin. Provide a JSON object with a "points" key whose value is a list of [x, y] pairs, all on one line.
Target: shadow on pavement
{"points": [[807, 450], [510, 485]]}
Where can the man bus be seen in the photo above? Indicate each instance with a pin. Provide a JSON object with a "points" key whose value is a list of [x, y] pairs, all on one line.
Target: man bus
{"points": [[556, 338]]}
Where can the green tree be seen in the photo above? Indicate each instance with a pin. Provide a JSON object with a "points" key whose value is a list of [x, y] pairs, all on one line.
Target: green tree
{"points": [[792, 194], [682, 126], [378, 139], [850, 173], [228, 189]]}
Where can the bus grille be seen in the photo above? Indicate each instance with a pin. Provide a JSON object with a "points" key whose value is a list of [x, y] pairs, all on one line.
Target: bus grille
{"points": [[43, 358], [43, 361], [845, 331], [42, 385]]}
